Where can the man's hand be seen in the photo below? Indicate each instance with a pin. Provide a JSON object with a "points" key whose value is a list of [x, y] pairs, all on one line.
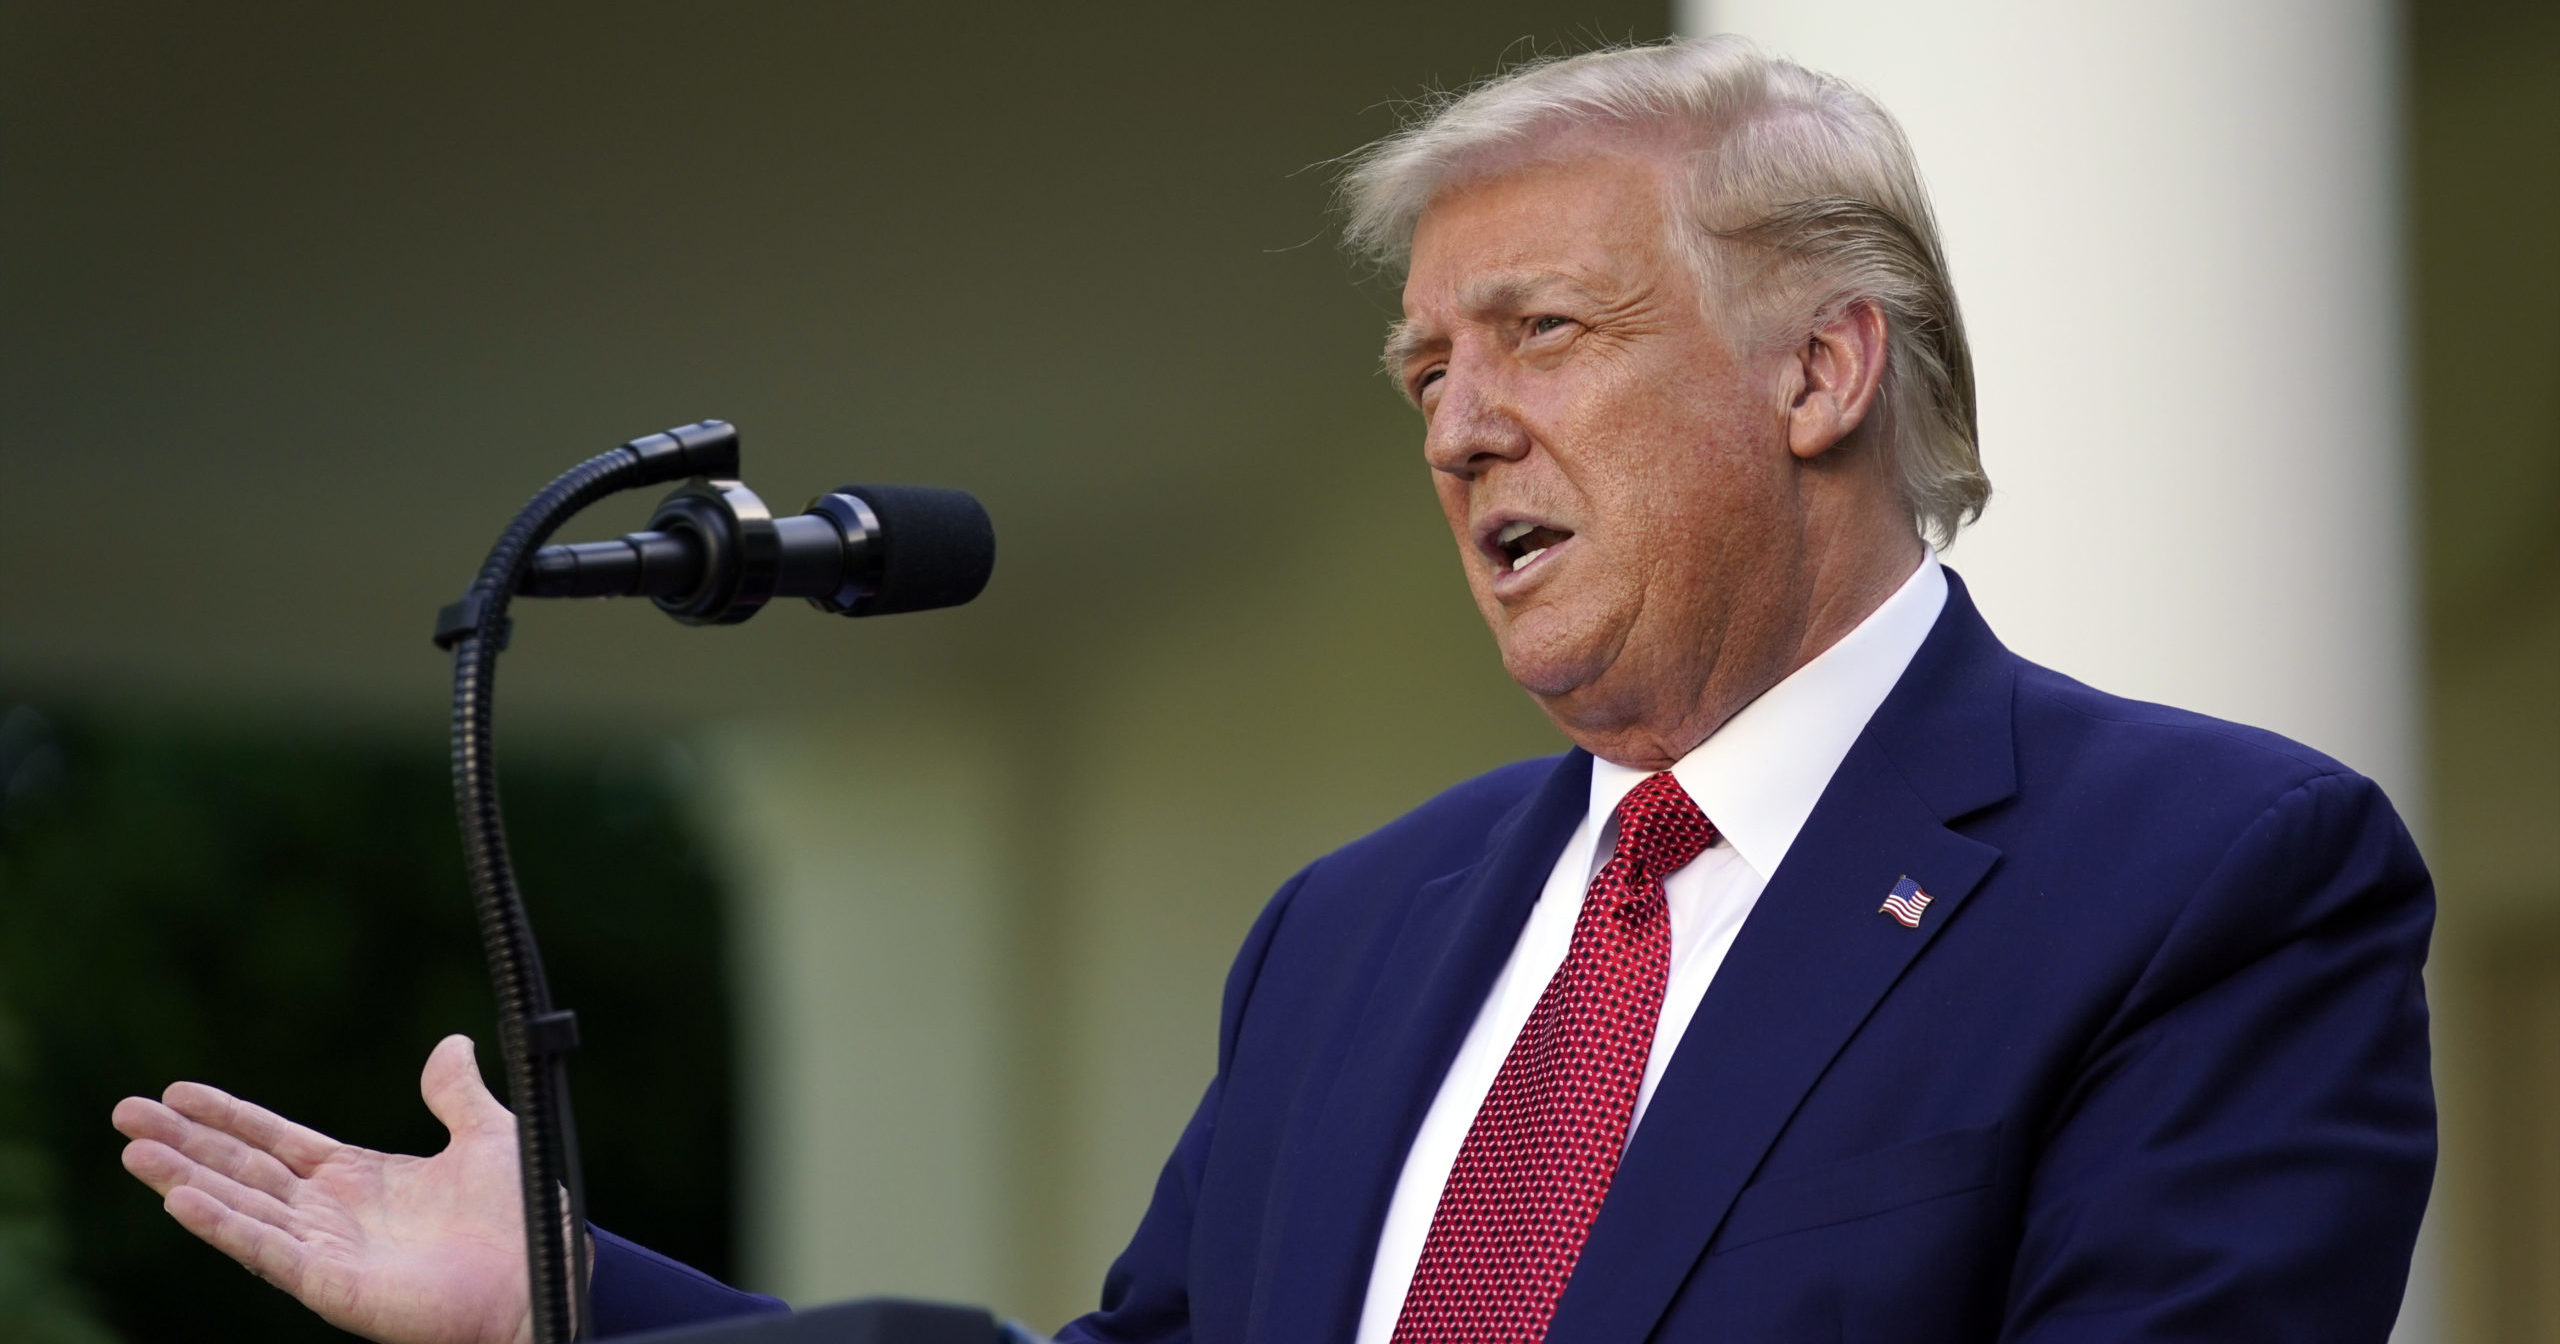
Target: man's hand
{"points": [[404, 1250]]}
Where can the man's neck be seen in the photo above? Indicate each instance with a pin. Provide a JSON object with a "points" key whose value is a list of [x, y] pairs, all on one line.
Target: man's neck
{"points": [[1838, 602]]}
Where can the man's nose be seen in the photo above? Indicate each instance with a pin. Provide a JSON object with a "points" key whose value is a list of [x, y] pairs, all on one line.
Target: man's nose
{"points": [[1473, 426]]}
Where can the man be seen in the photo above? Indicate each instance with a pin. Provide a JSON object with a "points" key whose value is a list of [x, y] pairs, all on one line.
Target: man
{"points": [[1851, 979]]}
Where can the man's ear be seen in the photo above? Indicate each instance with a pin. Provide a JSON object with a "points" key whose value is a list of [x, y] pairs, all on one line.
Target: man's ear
{"points": [[1840, 368]]}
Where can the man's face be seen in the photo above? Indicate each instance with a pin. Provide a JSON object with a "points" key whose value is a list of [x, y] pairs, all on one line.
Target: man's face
{"points": [[1618, 479]]}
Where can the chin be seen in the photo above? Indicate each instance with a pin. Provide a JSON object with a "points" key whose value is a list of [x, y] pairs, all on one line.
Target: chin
{"points": [[1554, 648], [1549, 673]]}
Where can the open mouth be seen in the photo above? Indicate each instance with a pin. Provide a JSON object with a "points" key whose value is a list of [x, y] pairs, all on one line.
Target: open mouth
{"points": [[1521, 543]]}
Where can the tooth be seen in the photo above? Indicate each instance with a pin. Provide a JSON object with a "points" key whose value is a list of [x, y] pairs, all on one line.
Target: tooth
{"points": [[1523, 561], [1512, 532]]}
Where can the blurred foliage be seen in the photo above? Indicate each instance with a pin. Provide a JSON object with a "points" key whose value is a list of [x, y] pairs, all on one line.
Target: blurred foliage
{"points": [[284, 914], [38, 1304]]}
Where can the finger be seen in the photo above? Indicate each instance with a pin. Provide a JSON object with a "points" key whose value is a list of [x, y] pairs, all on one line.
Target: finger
{"points": [[456, 1094], [156, 1164], [143, 1118], [140, 1119], [268, 1251], [168, 1171], [300, 1149]]}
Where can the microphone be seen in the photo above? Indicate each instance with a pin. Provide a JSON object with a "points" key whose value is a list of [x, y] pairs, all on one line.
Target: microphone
{"points": [[713, 554]]}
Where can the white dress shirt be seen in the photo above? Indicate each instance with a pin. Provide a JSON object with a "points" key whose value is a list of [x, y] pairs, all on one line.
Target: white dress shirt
{"points": [[1757, 778]]}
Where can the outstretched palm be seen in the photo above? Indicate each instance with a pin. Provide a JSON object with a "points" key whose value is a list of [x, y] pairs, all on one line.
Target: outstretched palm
{"points": [[404, 1250]]}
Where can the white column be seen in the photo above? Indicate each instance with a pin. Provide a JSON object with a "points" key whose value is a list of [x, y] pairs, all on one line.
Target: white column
{"points": [[868, 862], [2174, 231]]}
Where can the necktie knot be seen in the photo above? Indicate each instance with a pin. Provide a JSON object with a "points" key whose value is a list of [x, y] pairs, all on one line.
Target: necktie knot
{"points": [[1660, 829]]}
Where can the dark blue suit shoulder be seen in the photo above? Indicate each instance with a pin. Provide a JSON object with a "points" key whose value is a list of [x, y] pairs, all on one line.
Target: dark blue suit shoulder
{"points": [[1446, 832], [1356, 894], [2207, 843], [2072, 732]]}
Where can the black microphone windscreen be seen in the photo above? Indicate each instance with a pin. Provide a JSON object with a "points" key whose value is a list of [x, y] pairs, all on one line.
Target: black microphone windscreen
{"points": [[937, 547]]}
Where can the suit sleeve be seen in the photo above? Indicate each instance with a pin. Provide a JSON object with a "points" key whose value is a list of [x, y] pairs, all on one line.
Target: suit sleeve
{"points": [[637, 1289], [2248, 1147], [1145, 1295]]}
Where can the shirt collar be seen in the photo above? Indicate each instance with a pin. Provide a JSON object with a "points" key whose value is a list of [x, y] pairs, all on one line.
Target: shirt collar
{"points": [[1758, 776]]}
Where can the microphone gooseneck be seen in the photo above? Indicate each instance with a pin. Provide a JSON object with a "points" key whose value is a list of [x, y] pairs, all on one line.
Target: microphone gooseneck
{"points": [[712, 555]]}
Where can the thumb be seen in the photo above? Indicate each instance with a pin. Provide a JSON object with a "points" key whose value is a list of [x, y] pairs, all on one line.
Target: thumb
{"points": [[455, 1094]]}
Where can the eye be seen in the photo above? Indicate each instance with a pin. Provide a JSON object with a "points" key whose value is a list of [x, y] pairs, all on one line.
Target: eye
{"points": [[1540, 326], [1423, 383]]}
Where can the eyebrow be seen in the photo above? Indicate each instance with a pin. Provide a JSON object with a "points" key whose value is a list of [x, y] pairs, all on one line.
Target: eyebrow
{"points": [[1493, 293], [1404, 341]]}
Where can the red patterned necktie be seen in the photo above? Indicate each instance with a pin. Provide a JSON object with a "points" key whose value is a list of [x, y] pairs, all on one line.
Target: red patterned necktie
{"points": [[1538, 1159]]}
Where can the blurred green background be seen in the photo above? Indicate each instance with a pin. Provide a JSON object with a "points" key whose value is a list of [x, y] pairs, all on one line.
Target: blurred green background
{"points": [[897, 943], [283, 908]]}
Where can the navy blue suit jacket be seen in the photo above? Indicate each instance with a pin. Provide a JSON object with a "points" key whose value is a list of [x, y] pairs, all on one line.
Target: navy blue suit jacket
{"points": [[2152, 1067]]}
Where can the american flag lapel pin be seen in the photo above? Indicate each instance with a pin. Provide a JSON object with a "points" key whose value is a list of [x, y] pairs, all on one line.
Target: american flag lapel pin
{"points": [[1907, 903]]}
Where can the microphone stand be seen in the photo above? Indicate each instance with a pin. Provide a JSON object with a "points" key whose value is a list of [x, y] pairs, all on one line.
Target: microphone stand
{"points": [[714, 555], [534, 1033]]}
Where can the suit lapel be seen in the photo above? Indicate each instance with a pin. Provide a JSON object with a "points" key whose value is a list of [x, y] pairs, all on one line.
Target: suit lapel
{"points": [[1341, 1171], [1808, 967]]}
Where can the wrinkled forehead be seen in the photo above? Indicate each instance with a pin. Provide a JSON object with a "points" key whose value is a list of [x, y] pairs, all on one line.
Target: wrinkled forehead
{"points": [[1488, 295]]}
